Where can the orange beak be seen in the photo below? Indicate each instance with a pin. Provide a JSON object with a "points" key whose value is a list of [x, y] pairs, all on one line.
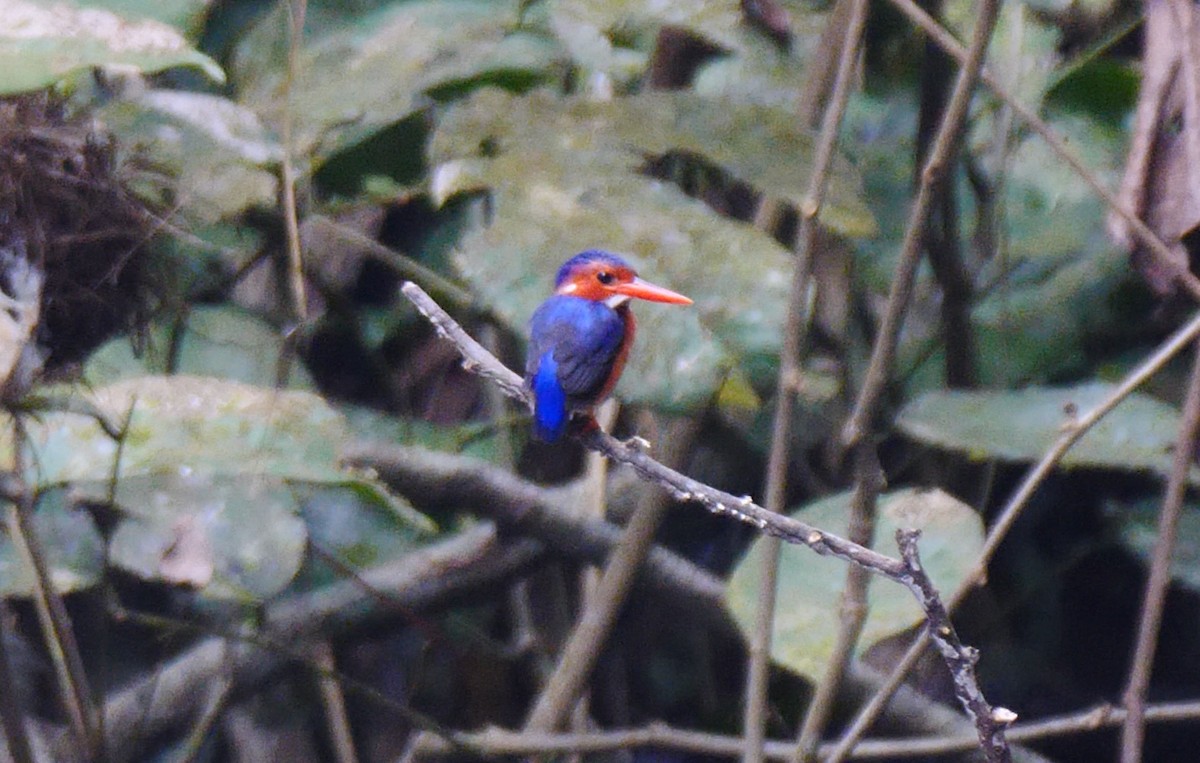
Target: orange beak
{"points": [[648, 291]]}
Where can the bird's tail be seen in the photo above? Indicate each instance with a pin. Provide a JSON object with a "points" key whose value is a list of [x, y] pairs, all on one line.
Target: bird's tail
{"points": [[549, 401]]}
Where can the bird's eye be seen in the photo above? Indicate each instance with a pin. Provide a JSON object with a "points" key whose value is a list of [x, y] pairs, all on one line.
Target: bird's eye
{"points": [[605, 277]]}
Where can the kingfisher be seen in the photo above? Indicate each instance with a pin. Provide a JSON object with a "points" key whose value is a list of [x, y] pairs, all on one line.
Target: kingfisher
{"points": [[579, 338]]}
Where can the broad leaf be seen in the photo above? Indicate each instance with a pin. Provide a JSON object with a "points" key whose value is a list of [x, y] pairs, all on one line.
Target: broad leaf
{"points": [[810, 585], [185, 15], [43, 43], [349, 533], [381, 66], [678, 363], [229, 536], [207, 478], [1138, 435], [198, 424], [222, 157], [478, 440], [757, 145]]}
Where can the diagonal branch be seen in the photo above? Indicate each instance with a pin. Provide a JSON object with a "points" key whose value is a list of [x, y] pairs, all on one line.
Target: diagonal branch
{"points": [[990, 722]]}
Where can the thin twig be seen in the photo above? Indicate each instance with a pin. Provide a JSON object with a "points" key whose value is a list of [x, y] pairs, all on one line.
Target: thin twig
{"points": [[990, 723], [686, 489], [944, 146], [1073, 430], [404, 265], [1159, 579], [295, 12], [852, 615], [51, 612], [479, 361], [941, 154], [439, 480], [333, 701], [790, 362]]}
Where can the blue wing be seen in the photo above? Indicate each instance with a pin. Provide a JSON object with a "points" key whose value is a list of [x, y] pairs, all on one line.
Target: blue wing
{"points": [[550, 400], [573, 344]]}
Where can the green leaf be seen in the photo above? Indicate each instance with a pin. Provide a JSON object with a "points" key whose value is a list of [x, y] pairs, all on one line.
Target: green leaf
{"points": [[718, 22], [758, 145], [73, 546], [1138, 435], [810, 585], [219, 153], [678, 363], [207, 478], [348, 532], [41, 44], [477, 440], [219, 341], [229, 536], [381, 66], [198, 425]]}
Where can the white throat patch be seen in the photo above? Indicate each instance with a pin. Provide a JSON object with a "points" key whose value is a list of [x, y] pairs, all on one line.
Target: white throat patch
{"points": [[616, 300]]}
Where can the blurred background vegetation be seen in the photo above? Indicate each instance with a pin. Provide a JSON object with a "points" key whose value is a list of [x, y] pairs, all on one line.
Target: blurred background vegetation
{"points": [[209, 350]]}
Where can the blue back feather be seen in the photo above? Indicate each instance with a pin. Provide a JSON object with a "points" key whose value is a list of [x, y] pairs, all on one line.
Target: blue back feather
{"points": [[550, 400]]}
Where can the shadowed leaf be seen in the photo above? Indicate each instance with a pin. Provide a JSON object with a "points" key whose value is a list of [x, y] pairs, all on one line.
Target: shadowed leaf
{"points": [[1138, 524], [228, 536], [221, 155]]}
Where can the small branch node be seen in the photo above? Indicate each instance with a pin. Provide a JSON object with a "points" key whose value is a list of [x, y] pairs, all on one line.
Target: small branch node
{"points": [[1004, 716]]}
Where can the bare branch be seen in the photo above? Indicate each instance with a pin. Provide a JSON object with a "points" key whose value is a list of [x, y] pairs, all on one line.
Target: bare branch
{"points": [[686, 489], [501, 742], [989, 722], [941, 154]]}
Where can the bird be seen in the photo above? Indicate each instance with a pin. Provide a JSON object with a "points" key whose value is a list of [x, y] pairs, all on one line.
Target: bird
{"points": [[579, 338]]}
